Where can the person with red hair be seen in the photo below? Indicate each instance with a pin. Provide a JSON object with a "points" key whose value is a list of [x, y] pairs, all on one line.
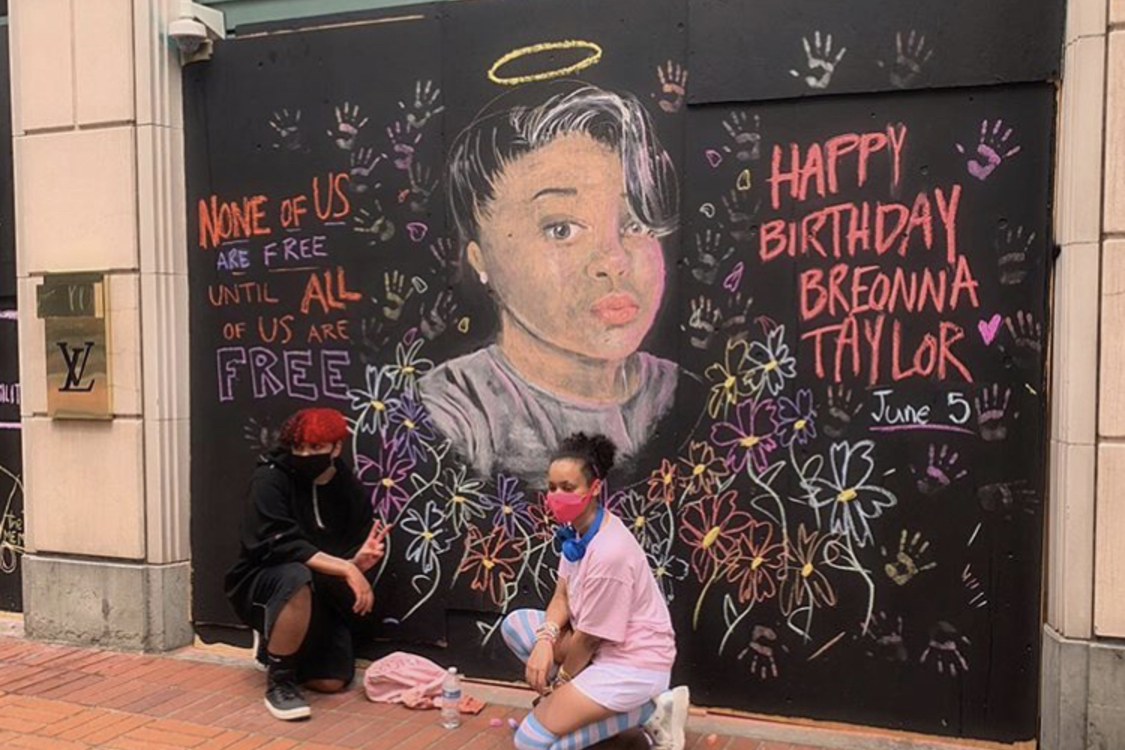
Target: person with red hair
{"points": [[310, 543]]}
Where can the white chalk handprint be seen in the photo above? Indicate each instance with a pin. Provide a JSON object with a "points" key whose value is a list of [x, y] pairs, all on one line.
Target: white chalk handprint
{"points": [[992, 149], [911, 56], [820, 63], [348, 125]]}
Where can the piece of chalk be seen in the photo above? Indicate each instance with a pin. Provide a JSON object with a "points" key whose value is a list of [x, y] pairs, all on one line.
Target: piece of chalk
{"points": [[712, 739], [513, 724], [495, 722]]}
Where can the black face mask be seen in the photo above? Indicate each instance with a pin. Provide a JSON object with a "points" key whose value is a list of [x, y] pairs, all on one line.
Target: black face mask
{"points": [[311, 467]]}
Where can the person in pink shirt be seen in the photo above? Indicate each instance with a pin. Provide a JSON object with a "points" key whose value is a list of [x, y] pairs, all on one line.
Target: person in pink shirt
{"points": [[601, 655]]}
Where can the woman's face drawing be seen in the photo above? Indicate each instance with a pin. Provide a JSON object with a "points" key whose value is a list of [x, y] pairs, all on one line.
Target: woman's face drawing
{"points": [[564, 254]]}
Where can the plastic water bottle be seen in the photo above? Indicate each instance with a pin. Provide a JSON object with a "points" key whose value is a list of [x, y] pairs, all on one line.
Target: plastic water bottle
{"points": [[451, 699]]}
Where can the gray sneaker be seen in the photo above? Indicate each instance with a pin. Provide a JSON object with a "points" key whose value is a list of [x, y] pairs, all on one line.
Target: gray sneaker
{"points": [[667, 724], [284, 700]]}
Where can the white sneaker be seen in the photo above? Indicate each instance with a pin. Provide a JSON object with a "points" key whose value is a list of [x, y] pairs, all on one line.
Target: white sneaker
{"points": [[667, 724]]}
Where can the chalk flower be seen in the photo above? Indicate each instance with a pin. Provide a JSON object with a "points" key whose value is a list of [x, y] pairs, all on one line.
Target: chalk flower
{"points": [[512, 510], [426, 531], [667, 569], [796, 418], [750, 437], [492, 560], [805, 584], [703, 470], [772, 363], [730, 378], [649, 524], [386, 476], [854, 501], [464, 498], [409, 366], [761, 560], [662, 483], [413, 429], [374, 403], [710, 527]]}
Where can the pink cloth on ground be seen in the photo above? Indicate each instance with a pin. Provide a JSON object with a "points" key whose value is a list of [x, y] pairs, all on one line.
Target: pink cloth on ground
{"points": [[412, 680], [614, 596]]}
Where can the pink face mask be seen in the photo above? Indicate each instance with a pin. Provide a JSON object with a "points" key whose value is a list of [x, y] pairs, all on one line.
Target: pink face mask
{"points": [[567, 506]]}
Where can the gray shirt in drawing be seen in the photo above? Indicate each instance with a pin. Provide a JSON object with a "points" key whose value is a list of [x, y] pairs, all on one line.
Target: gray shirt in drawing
{"points": [[500, 422]]}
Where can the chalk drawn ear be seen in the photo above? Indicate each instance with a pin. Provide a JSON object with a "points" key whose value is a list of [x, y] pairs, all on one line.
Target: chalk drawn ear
{"points": [[476, 260]]}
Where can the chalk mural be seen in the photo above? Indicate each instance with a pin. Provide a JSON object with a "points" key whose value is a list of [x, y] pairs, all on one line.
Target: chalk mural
{"points": [[11, 480], [815, 329]]}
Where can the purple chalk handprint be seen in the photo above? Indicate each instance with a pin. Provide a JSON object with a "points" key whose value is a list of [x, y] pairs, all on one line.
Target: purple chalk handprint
{"points": [[992, 149]]}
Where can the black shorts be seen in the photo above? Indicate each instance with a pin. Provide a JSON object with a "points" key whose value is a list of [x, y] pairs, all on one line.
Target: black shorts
{"points": [[328, 651]]}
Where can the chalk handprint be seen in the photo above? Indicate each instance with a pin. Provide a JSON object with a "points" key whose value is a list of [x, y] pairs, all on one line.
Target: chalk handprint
{"points": [[944, 649], [288, 128], [747, 136], [373, 222], [262, 436], [941, 470], [762, 652], [422, 186], [448, 258], [886, 640], [740, 215], [1027, 338], [992, 408], [910, 560], [1013, 249], [710, 254], [404, 143], [911, 56], [424, 106], [673, 87], [397, 290], [435, 319], [348, 125], [362, 164], [1008, 497], [819, 61], [737, 318], [974, 591], [842, 409], [704, 322], [992, 149]]}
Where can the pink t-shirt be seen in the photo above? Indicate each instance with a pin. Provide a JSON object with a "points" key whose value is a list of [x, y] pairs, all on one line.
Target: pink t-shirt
{"points": [[614, 596]]}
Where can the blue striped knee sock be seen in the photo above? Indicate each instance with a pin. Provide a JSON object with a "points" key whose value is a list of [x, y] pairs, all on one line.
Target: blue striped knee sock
{"points": [[602, 730], [518, 630], [532, 735]]}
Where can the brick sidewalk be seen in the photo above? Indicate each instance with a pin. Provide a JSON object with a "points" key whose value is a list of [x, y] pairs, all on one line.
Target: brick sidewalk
{"points": [[63, 698]]}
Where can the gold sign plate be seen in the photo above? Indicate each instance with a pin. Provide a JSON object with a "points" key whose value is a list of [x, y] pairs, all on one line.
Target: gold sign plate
{"points": [[73, 308]]}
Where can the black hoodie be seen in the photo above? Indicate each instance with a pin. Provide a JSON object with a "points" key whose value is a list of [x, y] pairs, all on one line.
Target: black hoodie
{"points": [[284, 524]]}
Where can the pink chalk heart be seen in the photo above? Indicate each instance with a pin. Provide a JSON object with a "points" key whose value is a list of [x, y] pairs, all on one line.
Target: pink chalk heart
{"points": [[731, 282], [410, 336], [714, 158], [417, 230], [989, 328]]}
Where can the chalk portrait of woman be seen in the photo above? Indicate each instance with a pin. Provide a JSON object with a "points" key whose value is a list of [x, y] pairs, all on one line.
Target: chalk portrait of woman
{"points": [[561, 208]]}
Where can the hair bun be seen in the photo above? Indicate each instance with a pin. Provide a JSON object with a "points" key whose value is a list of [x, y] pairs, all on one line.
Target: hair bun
{"points": [[598, 451]]}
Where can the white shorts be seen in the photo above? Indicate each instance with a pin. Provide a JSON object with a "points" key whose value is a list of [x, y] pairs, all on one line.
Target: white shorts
{"points": [[619, 687]]}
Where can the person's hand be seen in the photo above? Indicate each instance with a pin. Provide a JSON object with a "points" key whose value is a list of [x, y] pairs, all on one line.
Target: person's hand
{"points": [[361, 587], [539, 666], [373, 549]]}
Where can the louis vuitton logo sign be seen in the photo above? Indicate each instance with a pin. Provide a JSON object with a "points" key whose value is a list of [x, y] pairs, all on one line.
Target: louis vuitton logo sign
{"points": [[73, 309], [75, 358]]}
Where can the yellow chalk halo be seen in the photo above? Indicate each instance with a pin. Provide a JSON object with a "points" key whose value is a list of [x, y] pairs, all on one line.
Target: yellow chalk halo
{"points": [[534, 49]]}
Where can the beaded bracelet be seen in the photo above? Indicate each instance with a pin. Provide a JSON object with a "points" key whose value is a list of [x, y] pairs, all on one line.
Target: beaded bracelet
{"points": [[548, 631]]}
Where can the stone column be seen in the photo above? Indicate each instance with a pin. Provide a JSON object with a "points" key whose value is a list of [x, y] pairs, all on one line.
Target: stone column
{"points": [[99, 181], [1083, 688]]}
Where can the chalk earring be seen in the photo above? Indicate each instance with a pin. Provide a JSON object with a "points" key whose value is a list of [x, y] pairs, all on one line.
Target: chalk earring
{"points": [[483, 277]]}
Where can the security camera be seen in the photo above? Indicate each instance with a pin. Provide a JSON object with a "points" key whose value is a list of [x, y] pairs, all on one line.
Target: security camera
{"points": [[196, 29]]}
